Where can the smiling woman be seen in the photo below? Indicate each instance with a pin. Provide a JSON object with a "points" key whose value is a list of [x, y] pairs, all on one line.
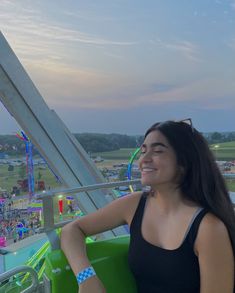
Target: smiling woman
{"points": [[184, 226], [102, 76]]}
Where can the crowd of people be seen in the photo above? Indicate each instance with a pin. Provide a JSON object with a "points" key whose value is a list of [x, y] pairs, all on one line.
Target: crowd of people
{"points": [[16, 223], [18, 228]]}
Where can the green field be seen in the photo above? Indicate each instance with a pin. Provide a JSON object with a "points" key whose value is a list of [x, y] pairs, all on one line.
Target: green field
{"points": [[122, 154], [224, 151], [8, 179], [230, 184]]}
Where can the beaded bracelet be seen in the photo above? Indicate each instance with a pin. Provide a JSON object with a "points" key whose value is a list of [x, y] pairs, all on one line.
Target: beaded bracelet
{"points": [[85, 274]]}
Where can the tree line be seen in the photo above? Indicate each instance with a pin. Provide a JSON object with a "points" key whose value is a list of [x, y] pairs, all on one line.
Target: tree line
{"points": [[97, 142], [94, 142], [219, 137]]}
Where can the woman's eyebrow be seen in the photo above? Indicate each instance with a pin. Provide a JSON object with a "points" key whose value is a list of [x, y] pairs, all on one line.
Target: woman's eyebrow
{"points": [[155, 144]]}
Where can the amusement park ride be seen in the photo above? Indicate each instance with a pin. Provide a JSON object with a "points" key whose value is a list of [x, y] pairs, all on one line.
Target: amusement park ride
{"points": [[79, 175], [29, 164], [47, 132]]}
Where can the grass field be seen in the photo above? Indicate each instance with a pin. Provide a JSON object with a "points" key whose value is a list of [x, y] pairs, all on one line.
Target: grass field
{"points": [[122, 154], [8, 179], [224, 151], [230, 184]]}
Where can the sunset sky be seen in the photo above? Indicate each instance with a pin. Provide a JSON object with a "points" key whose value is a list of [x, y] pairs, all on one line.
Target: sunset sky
{"points": [[119, 66]]}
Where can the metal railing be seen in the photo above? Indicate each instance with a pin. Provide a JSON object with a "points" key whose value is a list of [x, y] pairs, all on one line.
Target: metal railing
{"points": [[48, 207], [35, 285]]}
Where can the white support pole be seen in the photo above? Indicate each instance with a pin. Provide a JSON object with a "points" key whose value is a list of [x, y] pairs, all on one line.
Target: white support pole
{"points": [[56, 144]]}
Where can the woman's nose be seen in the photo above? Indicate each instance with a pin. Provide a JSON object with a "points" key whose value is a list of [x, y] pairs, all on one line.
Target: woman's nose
{"points": [[147, 156]]}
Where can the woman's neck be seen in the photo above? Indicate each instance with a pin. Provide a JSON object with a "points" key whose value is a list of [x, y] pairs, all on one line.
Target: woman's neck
{"points": [[168, 199]]}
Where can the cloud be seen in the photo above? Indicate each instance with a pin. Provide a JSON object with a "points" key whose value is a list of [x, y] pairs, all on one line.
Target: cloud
{"points": [[7, 3], [231, 43], [24, 21], [232, 4], [205, 90], [88, 16], [37, 41], [112, 55], [40, 44], [115, 93], [188, 49], [227, 103]]}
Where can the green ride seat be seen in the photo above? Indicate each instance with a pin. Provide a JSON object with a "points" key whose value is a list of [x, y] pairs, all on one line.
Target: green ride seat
{"points": [[109, 259]]}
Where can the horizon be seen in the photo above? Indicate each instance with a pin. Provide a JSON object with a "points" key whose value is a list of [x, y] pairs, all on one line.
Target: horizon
{"points": [[115, 133], [120, 66]]}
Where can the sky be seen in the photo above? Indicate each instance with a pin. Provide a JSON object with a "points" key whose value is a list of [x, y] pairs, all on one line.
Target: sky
{"points": [[119, 66]]}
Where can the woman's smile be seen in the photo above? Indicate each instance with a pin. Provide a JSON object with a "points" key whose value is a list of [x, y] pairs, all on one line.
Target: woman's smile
{"points": [[148, 170]]}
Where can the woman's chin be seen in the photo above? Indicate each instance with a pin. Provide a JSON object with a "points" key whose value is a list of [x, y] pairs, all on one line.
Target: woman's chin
{"points": [[146, 182]]}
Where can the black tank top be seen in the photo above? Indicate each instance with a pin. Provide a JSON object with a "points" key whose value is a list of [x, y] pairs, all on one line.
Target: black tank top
{"points": [[159, 270]]}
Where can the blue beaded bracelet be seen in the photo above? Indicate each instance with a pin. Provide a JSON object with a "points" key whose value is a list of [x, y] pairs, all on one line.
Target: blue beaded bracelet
{"points": [[85, 274]]}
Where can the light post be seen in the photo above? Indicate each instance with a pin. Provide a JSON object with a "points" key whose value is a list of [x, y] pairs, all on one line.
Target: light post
{"points": [[216, 149]]}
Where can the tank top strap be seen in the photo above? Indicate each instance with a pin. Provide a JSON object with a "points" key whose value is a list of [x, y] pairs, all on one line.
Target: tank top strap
{"points": [[137, 218], [194, 225]]}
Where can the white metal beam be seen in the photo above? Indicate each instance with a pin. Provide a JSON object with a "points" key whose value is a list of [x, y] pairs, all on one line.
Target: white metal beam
{"points": [[48, 133]]}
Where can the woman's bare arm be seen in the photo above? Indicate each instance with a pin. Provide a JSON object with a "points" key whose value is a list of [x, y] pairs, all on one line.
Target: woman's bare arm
{"points": [[73, 235], [216, 259]]}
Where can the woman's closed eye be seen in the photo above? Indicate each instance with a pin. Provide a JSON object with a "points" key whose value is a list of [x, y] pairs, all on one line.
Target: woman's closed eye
{"points": [[154, 151], [157, 151]]}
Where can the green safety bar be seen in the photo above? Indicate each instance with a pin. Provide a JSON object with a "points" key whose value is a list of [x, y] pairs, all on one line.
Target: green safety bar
{"points": [[109, 259], [36, 259]]}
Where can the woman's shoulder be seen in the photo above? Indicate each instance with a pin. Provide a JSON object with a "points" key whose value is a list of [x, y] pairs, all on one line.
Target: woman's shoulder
{"points": [[131, 202], [212, 230], [128, 201], [211, 224], [136, 195]]}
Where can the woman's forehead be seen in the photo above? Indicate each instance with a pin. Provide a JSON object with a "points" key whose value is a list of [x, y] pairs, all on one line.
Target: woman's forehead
{"points": [[155, 137]]}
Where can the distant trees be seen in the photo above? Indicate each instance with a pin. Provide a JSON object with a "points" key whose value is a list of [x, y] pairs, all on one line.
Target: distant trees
{"points": [[10, 144], [97, 142], [218, 137], [93, 142]]}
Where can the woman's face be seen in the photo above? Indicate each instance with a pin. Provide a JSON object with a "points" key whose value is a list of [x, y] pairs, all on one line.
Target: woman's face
{"points": [[157, 162]]}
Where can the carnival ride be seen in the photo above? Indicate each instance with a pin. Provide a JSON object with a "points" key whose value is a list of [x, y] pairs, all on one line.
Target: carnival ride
{"points": [[129, 168], [77, 171], [29, 162]]}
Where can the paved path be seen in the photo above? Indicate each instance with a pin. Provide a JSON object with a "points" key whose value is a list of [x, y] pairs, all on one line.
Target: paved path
{"points": [[24, 242]]}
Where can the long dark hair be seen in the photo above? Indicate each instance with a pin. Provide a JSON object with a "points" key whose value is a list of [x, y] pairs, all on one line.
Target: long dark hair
{"points": [[202, 181]]}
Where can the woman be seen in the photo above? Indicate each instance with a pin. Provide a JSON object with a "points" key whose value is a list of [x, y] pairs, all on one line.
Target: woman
{"points": [[184, 227]]}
